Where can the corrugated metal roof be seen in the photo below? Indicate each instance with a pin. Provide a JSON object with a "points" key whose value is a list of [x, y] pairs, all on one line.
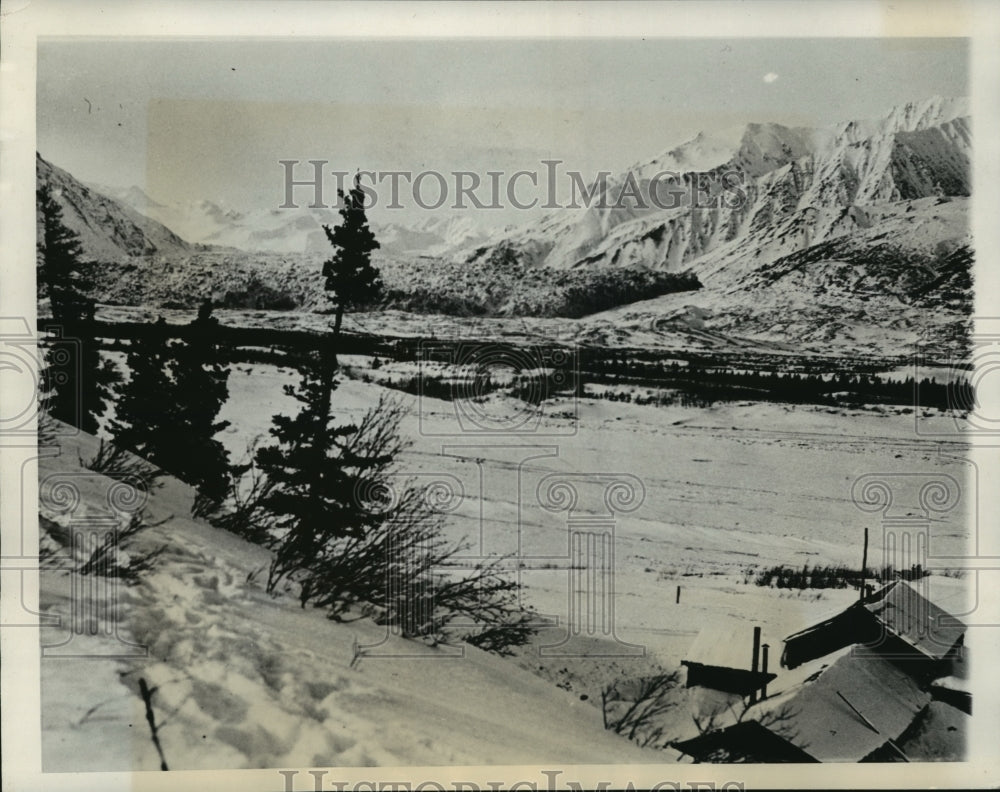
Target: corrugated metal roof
{"points": [[948, 593], [817, 716], [905, 612]]}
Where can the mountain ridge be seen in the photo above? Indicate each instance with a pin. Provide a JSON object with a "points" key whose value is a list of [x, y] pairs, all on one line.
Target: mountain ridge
{"points": [[854, 162], [874, 203]]}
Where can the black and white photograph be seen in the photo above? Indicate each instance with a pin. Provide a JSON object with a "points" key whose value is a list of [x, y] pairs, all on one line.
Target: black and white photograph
{"points": [[529, 400]]}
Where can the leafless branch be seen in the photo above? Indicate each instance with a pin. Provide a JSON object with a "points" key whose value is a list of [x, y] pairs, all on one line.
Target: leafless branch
{"points": [[639, 713]]}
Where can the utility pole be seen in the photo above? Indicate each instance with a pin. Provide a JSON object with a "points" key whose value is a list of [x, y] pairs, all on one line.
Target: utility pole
{"points": [[756, 662], [864, 567]]}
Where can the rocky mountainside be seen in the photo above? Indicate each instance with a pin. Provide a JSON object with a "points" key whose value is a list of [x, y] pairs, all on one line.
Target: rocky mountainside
{"points": [[761, 192], [903, 279], [109, 230], [837, 236]]}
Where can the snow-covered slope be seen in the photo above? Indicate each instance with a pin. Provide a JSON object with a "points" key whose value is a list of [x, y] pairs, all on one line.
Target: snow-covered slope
{"points": [[241, 679], [433, 236], [214, 223], [756, 148], [902, 278]]}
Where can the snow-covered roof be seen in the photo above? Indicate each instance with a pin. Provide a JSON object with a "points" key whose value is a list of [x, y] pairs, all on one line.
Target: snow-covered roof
{"points": [[905, 612], [725, 644], [952, 682], [948, 593], [847, 710]]}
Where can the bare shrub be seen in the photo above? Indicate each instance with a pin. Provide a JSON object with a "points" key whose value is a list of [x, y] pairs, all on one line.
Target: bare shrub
{"points": [[779, 720], [113, 556], [121, 465], [384, 546], [243, 512], [639, 715]]}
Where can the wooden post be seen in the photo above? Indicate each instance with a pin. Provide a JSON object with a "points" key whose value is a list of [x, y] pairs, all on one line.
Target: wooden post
{"points": [[756, 661], [763, 669], [864, 568], [678, 600]]}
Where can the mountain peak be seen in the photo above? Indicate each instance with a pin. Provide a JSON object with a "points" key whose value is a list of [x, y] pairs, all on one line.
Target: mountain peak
{"points": [[933, 111], [767, 146], [704, 152], [912, 116]]}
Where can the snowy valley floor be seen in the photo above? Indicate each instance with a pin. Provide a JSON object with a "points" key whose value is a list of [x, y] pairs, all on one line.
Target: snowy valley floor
{"points": [[241, 679]]}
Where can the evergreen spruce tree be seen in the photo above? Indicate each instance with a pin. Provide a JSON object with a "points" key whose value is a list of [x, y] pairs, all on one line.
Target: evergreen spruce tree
{"points": [[316, 470], [350, 278], [168, 410], [315, 467], [84, 380], [62, 274], [342, 529], [201, 389], [146, 414]]}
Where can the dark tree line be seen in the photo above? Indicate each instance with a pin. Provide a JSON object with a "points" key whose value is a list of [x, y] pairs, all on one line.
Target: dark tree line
{"points": [[700, 385], [829, 576]]}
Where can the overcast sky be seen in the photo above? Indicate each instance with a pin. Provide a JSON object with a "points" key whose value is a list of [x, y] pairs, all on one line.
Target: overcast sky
{"points": [[196, 119]]}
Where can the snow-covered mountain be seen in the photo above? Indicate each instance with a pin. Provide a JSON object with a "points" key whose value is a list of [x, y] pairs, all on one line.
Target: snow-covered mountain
{"points": [[434, 236], [294, 230], [214, 223], [887, 195], [766, 190]]}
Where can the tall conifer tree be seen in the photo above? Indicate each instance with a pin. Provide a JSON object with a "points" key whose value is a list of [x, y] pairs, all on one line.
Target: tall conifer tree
{"points": [[316, 466], [77, 389], [201, 385]]}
